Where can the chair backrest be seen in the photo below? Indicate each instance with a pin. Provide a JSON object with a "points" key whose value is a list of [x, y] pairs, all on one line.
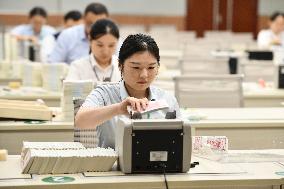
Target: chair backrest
{"points": [[201, 91], [196, 65], [255, 70]]}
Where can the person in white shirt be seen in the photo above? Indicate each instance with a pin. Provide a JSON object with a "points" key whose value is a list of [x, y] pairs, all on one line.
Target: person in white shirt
{"points": [[73, 43], [275, 34], [71, 18], [33, 32], [101, 65]]}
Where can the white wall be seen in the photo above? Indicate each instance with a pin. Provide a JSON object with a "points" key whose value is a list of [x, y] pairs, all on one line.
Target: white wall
{"points": [[267, 7], [137, 7]]}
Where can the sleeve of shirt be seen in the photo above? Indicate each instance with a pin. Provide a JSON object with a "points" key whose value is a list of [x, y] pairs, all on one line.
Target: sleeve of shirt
{"points": [[60, 51], [95, 99], [18, 30], [176, 107], [73, 72], [47, 46], [263, 39]]}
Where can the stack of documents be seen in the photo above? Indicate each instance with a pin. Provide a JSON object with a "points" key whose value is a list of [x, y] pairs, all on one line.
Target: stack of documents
{"points": [[73, 90], [5, 70], [70, 157], [53, 75], [31, 74]]}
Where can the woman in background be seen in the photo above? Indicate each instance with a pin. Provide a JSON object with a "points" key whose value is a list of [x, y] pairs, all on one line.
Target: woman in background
{"points": [[275, 34], [101, 65], [139, 64]]}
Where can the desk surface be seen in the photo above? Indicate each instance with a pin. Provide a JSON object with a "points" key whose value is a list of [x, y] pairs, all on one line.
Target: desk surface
{"points": [[241, 175], [235, 114], [7, 80]]}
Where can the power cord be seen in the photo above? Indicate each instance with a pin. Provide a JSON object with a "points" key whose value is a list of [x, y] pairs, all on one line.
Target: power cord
{"points": [[163, 166]]}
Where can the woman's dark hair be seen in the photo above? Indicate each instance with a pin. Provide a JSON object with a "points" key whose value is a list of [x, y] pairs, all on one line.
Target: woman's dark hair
{"points": [[138, 43], [275, 15], [38, 11], [96, 8], [103, 27], [73, 15]]}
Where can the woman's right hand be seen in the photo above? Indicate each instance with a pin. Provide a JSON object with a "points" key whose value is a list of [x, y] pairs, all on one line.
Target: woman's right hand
{"points": [[135, 104]]}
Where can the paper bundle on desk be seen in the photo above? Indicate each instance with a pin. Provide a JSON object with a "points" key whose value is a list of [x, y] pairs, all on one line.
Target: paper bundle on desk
{"points": [[5, 70], [61, 158], [71, 90], [52, 76], [31, 74], [11, 47], [210, 147]]}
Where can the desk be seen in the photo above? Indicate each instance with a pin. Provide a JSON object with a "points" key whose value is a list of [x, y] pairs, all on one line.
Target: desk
{"points": [[264, 98], [52, 99], [254, 95], [13, 133], [246, 128], [6, 81], [255, 177]]}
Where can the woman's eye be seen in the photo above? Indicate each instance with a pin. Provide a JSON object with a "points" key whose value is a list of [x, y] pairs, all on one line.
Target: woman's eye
{"points": [[100, 45], [151, 68], [136, 68]]}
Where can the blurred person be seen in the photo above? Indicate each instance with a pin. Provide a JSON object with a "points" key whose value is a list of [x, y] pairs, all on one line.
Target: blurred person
{"points": [[71, 18], [275, 34], [36, 30], [73, 43], [101, 64]]}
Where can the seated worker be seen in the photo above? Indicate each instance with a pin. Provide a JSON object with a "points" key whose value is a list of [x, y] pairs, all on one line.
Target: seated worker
{"points": [[36, 30], [73, 43], [101, 64], [139, 64], [275, 34], [71, 18]]}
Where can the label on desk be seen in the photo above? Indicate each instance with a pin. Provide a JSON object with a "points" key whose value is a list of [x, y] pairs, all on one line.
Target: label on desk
{"points": [[58, 179]]}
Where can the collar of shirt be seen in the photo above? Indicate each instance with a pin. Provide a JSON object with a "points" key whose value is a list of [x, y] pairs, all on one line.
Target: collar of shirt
{"points": [[97, 66], [124, 94]]}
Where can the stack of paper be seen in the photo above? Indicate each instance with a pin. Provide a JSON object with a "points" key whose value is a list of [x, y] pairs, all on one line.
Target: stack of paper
{"points": [[152, 107], [53, 75], [11, 47], [61, 158], [219, 143], [5, 70], [31, 74], [20, 109], [87, 137], [71, 90]]}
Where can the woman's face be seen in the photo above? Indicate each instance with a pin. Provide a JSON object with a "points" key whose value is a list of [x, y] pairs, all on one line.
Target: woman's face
{"points": [[37, 22], [140, 70], [277, 25], [104, 47]]}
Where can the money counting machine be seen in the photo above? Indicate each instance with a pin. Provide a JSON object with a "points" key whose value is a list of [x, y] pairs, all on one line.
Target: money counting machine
{"points": [[153, 145]]}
